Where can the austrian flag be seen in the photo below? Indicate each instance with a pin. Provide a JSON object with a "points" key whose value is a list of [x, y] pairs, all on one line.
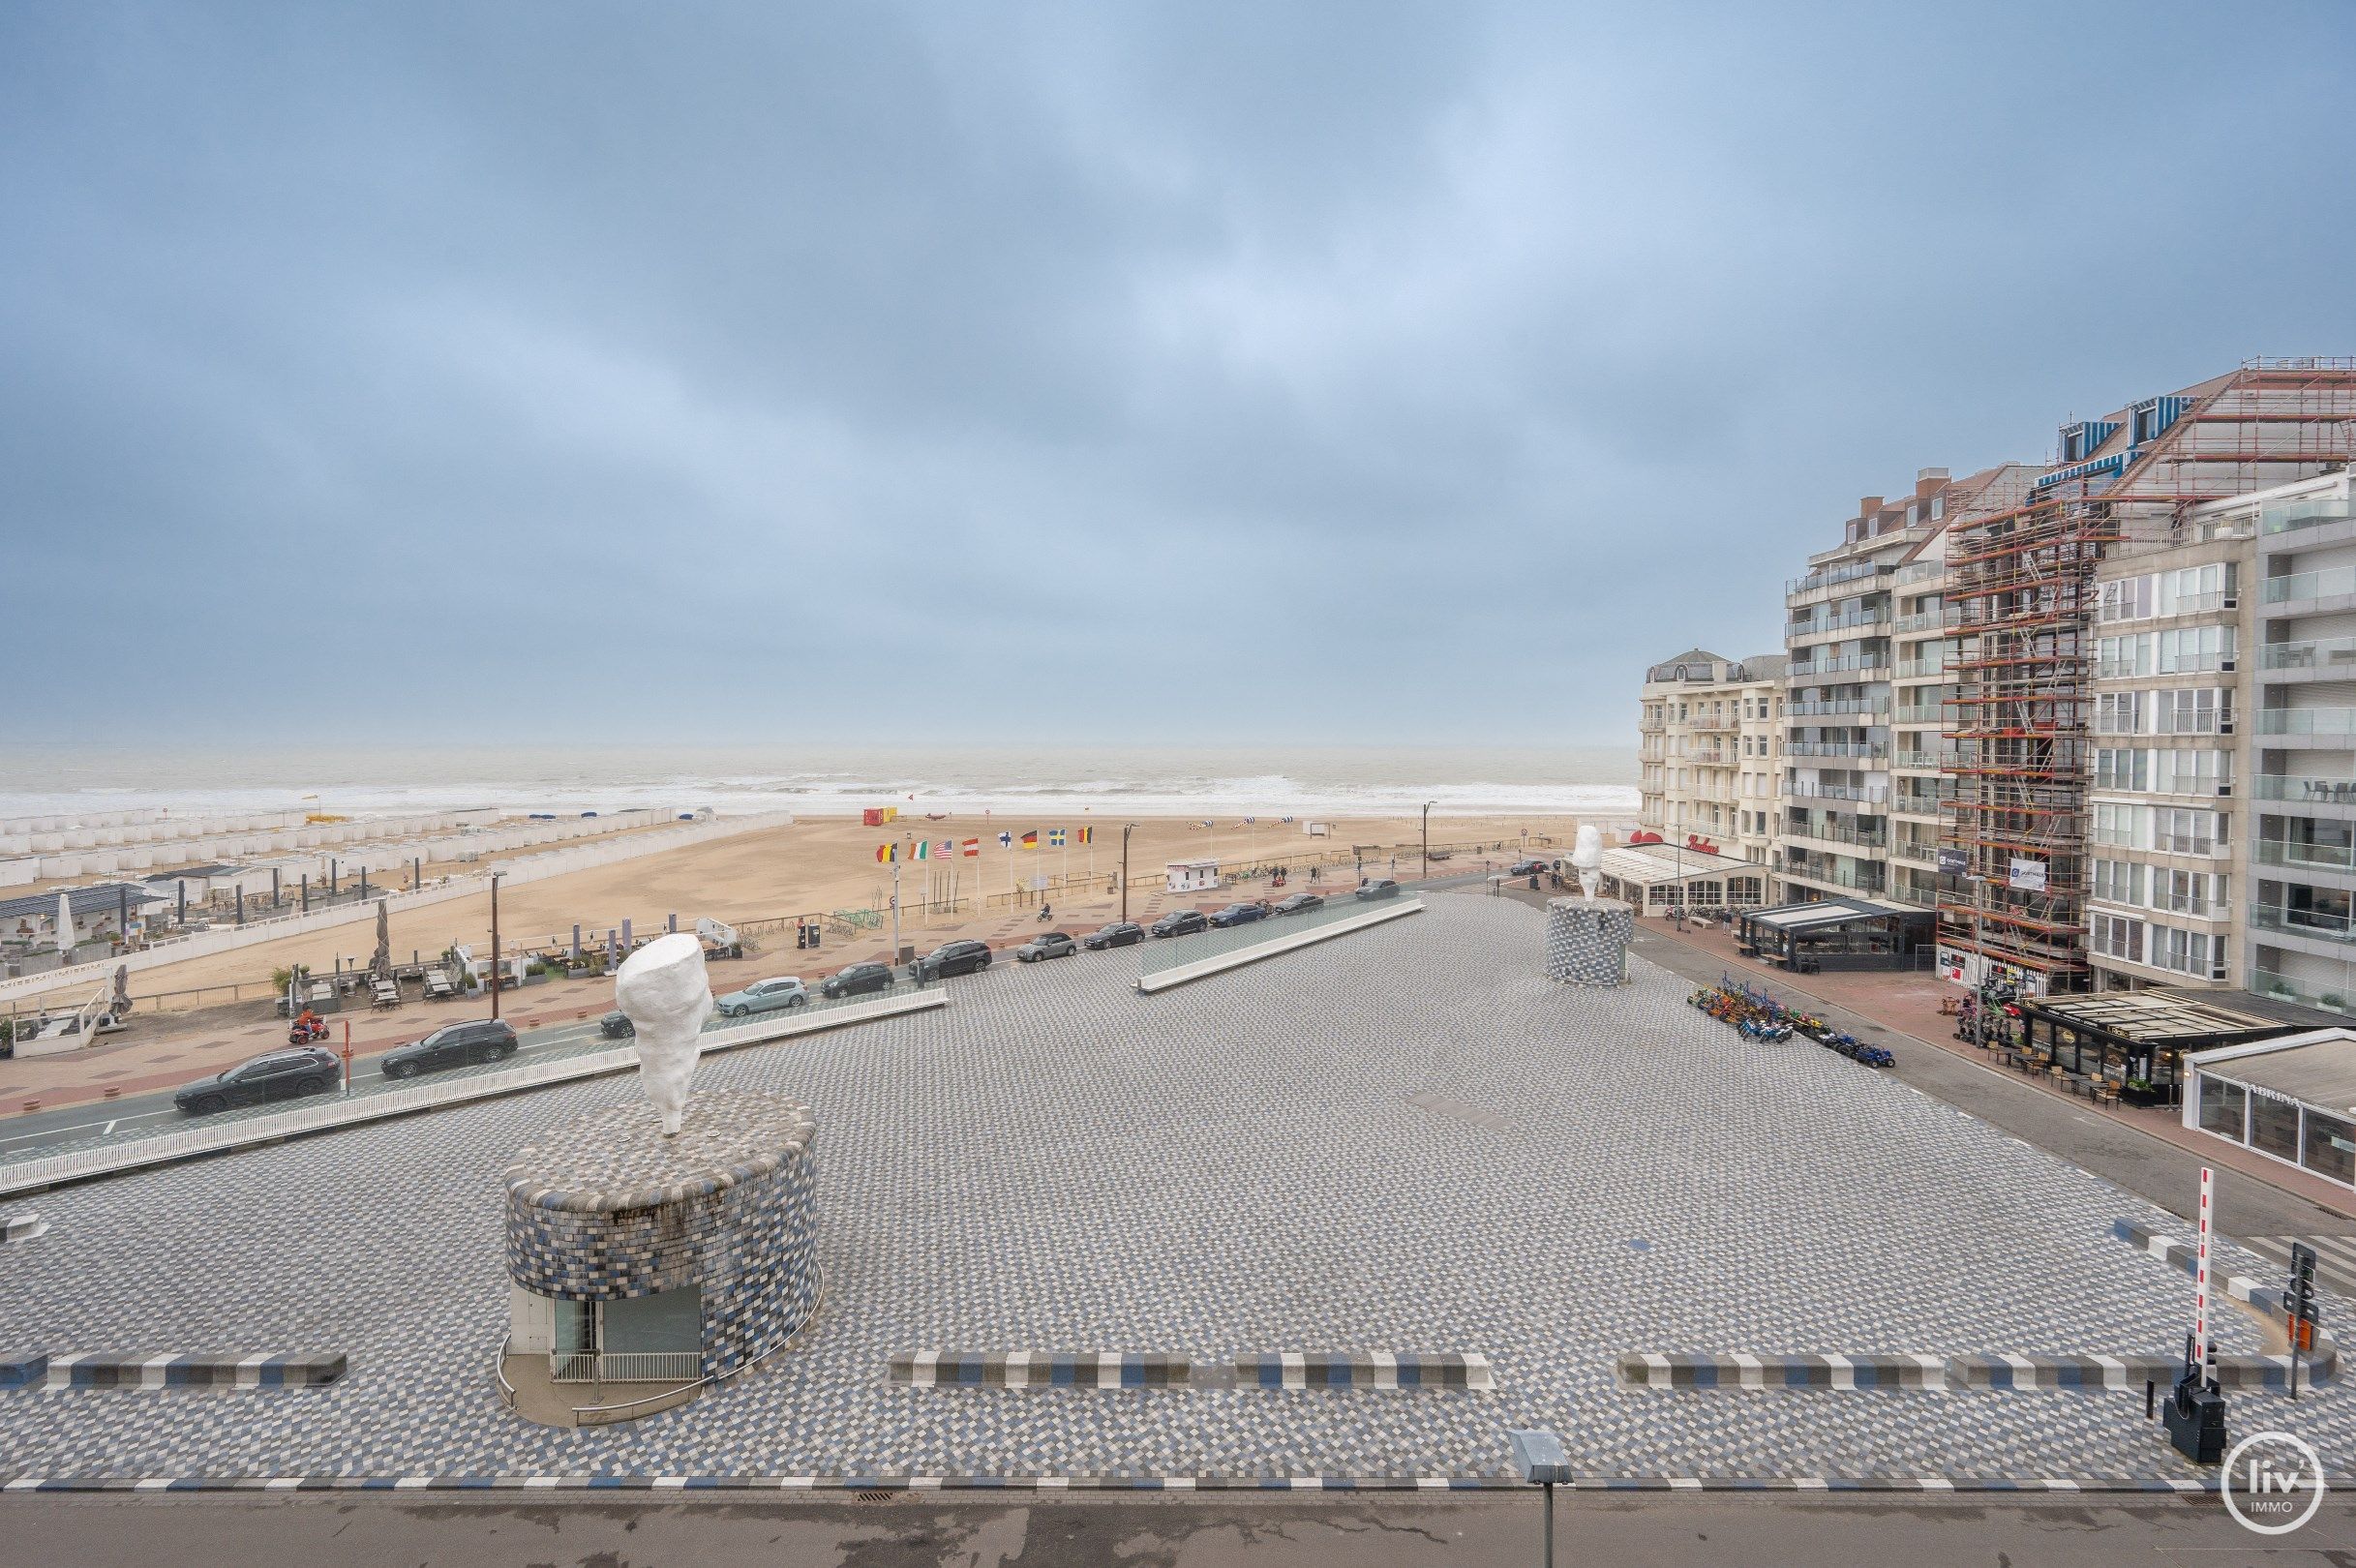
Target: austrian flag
{"points": [[973, 849]]}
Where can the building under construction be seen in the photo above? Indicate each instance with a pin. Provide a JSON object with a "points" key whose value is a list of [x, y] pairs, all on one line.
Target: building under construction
{"points": [[2020, 600]]}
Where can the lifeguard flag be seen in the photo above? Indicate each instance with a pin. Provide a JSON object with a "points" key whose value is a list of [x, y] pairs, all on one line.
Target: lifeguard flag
{"points": [[886, 852], [1030, 840], [1087, 835], [973, 848]]}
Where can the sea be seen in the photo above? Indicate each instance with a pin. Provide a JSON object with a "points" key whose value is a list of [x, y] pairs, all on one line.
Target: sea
{"points": [[824, 781]]}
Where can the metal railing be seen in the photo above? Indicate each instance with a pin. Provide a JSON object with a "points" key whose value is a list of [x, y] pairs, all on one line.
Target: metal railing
{"points": [[2304, 515], [1837, 705], [1826, 834], [1866, 794], [2329, 582], [625, 1366], [1919, 713], [2266, 983], [1836, 748], [1845, 664], [1833, 623], [2306, 922]]}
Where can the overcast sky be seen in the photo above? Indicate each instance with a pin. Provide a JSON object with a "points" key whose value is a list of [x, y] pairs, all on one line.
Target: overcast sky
{"points": [[1190, 372]]}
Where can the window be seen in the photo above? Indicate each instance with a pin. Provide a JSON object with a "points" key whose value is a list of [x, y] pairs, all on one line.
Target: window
{"points": [[2225, 1108], [2117, 882], [2330, 1147], [2117, 938], [2274, 1126]]}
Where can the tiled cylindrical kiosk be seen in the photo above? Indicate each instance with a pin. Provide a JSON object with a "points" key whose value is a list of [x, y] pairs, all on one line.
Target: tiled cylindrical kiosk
{"points": [[637, 1257], [1587, 941]]}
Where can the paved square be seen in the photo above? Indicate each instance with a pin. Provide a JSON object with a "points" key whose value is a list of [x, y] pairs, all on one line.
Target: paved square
{"points": [[1401, 1141]]}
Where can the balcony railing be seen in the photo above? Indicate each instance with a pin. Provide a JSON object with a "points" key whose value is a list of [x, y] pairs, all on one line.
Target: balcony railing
{"points": [[2306, 721], [1837, 705], [1927, 620], [1836, 748], [1833, 623], [2304, 515], [1920, 669], [2296, 856], [1832, 577], [2268, 983], [1847, 662], [2306, 791], [1918, 713], [2306, 922], [1919, 759], [1926, 854], [1831, 833], [2335, 655], [1868, 793], [625, 1366], [2330, 583]]}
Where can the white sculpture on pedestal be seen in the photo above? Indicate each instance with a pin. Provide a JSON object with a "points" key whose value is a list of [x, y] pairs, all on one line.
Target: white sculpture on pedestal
{"points": [[1586, 857], [663, 988]]}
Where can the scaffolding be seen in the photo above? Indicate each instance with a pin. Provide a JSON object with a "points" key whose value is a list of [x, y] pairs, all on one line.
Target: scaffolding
{"points": [[2021, 593]]}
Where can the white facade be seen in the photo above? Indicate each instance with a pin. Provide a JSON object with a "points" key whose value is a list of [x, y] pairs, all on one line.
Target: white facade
{"points": [[1711, 751]]}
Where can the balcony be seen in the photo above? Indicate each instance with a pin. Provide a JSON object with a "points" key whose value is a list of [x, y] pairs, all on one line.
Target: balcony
{"points": [[2313, 925], [2304, 515], [2265, 982], [1832, 577], [1837, 705], [1922, 854], [1826, 625], [1864, 878], [1840, 666], [2308, 721], [2310, 792], [2324, 658], [2296, 855], [1921, 669], [1865, 794], [1836, 748], [2298, 588], [1927, 620], [1929, 761], [1918, 713], [1826, 832], [1907, 804]]}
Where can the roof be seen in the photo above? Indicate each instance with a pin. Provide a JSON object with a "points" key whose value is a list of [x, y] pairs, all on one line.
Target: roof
{"points": [[1650, 866], [2168, 1014], [1817, 911], [99, 898], [2318, 1068], [1763, 666], [192, 873]]}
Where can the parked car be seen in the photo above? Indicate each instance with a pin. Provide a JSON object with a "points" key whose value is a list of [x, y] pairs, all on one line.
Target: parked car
{"points": [[953, 958], [1180, 922], [1528, 868], [483, 1039], [857, 980], [1377, 888], [617, 1025], [1050, 944], [1118, 934], [764, 996], [1299, 904], [1239, 914], [278, 1075]]}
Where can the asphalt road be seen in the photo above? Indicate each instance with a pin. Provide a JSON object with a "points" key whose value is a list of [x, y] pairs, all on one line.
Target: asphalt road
{"points": [[1714, 1530]]}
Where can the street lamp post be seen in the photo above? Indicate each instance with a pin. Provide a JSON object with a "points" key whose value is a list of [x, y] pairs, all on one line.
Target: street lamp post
{"points": [[905, 839], [1425, 875], [1127, 829], [494, 941]]}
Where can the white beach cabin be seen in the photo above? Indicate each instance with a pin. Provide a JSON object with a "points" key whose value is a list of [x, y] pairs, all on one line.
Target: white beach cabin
{"points": [[1193, 876]]}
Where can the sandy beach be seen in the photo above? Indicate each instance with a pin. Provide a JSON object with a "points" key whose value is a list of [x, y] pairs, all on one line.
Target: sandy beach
{"points": [[828, 866]]}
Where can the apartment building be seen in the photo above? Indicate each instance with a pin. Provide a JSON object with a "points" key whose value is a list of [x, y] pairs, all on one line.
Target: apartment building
{"points": [[1710, 746], [2091, 677], [1865, 631]]}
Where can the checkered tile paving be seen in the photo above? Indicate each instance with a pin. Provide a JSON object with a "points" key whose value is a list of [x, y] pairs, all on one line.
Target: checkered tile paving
{"points": [[1056, 1163]]}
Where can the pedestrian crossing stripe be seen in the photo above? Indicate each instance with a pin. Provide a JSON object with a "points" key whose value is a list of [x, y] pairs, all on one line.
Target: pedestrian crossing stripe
{"points": [[2334, 1256]]}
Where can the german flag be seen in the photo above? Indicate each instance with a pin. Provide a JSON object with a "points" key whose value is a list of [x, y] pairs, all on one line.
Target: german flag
{"points": [[1030, 840]]}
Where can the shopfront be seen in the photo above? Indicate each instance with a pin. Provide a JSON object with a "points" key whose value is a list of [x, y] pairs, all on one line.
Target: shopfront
{"points": [[2292, 1099], [2138, 1042], [1838, 933]]}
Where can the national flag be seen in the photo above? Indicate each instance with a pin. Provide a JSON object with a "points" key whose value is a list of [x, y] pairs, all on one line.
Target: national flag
{"points": [[1006, 840], [944, 848], [1087, 835], [921, 850], [887, 852], [1055, 838], [1030, 840], [973, 849]]}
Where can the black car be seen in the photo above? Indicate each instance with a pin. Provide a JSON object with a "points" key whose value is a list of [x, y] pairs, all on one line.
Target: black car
{"points": [[1299, 904], [1377, 888], [617, 1025], [279, 1076], [1239, 914], [1180, 922], [1118, 934], [856, 979], [1528, 868], [485, 1040], [953, 958]]}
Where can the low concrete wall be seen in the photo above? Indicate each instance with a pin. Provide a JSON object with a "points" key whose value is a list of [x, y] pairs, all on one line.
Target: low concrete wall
{"points": [[1202, 968]]}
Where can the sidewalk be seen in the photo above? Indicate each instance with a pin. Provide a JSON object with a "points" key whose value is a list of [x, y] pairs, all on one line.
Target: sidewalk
{"points": [[1908, 1004]]}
